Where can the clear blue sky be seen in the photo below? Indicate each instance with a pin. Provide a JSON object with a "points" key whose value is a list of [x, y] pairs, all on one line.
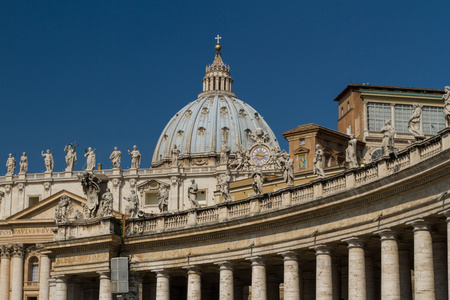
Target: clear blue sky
{"points": [[112, 73]]}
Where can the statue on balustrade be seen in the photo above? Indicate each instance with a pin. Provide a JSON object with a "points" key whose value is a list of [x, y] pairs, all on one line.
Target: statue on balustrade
{"points": [[175, 154], [446, 99], [133, 204], [388, 131], [63, 210], [163, 198], [135, 158], [317, 162], [257, 181], [192, 194], [90, 159], [415, 122], [224, 153], [71, 157], [224, 183], [115, 157], [48, 160], [10, 165], [106, 204], [23, 163], [91, 188], [350, 153]]}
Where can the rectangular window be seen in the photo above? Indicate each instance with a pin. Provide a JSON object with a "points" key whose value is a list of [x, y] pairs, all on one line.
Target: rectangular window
{"points": [[35, 272], [201, 197], [302, 141], [151, 199], [402, 115], [377, 113], [433, 119]]}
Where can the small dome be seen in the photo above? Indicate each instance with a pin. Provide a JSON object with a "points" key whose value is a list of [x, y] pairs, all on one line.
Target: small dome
{"points": [[202, 126]]}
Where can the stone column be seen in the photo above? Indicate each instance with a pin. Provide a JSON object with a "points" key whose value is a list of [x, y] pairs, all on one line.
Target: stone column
{"points": [[17, 273], [423, 261], [259, 290], [226, 284], [291, 276], [194, 290], [105, 286], [162, 285], [356, 269], [5, 272], [390, 268], [324, 275], [44, 275], [61, 288]]}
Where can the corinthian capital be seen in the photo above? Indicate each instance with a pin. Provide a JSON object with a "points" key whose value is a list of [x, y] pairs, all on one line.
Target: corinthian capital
{"points": [[5, 251], [17, 250]]}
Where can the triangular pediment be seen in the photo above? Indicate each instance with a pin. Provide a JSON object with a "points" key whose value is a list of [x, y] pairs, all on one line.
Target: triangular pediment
{"points": [[45, 209], [301, 150], [150, 185]]}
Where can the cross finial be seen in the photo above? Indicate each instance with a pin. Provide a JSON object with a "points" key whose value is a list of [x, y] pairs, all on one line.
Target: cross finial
{"points": [[218, 37]]}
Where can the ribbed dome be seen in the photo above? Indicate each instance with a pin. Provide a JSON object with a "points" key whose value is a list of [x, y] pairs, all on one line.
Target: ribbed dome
{"points": [[202, 125], [216, 116]]}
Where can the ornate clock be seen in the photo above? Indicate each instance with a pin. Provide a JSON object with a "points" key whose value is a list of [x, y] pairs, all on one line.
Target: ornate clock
{"points": [[260, 155]]}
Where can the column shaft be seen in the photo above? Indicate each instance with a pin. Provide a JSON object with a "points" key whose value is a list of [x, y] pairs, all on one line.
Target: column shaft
{"points": [[324, 273], [105, 286], [291, 276], [259, 289], [162, 285], [17, 273], [5, 271], [356, 270], [423, 262], [60, 288], [226, 284], [390, 268], [44, 275], [194, 284]]}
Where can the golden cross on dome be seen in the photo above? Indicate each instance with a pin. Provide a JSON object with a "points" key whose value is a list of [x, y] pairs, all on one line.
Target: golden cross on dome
{"points": [[218, 37]]}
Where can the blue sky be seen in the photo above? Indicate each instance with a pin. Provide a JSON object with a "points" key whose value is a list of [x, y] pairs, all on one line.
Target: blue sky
{"points": [[112, 73]]}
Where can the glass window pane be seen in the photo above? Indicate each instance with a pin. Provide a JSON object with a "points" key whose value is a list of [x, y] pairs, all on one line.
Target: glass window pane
{"points": [[433, 119], [35, 273], [402, 115], [377, 113]]}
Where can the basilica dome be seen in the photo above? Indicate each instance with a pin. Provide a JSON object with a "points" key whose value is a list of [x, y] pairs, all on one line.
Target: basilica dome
{"points": [[201, 127]]}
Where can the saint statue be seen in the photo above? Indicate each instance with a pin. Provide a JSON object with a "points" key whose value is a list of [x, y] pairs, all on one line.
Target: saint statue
{"points": [[350, 153], [135, 158], [446, 99], [23, 164], [387, 144], [90, 159], [175, 154], [163, 198], [317, 162], [224, 153], [415, 122], [48, 160], [192, 193], [133, 205], [10, 164], [106, 204], [257, 182], [71, 157], [115, 157], [288, 173], [224, 183]]}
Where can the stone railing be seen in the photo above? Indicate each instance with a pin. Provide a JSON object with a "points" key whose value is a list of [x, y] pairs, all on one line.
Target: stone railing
{"points": [[309, 192]]}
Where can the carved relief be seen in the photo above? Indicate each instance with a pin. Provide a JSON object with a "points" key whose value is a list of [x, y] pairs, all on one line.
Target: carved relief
{"points": [[47, 185], [7, 188], [132, 183], [21, 186]]}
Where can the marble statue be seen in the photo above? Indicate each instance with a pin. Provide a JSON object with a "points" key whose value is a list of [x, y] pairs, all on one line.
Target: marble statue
{"points": [[78, 215], [63, 210], [23, 164], [135, 158], [446, 99], [133, 204], [259, 137], [192, 193], [224, 153], [224, 183], [71, 157], [48, 160], [350, 153], [317, 162], [10, 164], [91, 188], [387, 144], [163, 198], [238, 161], [115, 157], [415, 122], [175, 154], [288, 173], [106, 204], [257, 181], [90, 159]]}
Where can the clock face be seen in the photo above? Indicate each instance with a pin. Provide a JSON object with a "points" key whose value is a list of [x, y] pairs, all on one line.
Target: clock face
{"points": [[260, 155]]}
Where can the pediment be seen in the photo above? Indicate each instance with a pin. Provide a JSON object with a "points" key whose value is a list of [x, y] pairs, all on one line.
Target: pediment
{"points": [[301, 150], [150, 185], [45, 209]]}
